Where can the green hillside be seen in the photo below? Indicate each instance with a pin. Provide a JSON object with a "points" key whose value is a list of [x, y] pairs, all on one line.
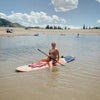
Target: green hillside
{"points": [[6, 23]]}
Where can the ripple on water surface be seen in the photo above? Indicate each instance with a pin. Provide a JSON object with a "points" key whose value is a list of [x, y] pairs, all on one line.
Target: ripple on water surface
{"points": [[77, 80]]}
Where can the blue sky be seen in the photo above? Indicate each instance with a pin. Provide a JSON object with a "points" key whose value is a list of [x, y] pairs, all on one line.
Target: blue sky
{"points": [[70, 13]]}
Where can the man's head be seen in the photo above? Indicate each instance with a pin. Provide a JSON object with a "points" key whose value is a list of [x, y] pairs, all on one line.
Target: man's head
{"points": [[53, 45]]}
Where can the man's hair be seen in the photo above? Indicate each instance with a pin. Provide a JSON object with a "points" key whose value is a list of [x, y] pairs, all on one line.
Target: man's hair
{"points": [[53, 43]]}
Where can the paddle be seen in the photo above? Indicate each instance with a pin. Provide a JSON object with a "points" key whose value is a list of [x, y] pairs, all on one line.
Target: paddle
{"points": [[50, 57]]}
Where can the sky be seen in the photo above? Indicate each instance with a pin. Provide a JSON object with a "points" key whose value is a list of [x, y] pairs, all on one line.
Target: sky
{"points": [[69, 13]]}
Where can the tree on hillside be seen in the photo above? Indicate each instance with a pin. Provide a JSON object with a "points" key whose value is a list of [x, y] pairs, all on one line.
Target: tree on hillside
{"points": [[47, 27], [84, 26], [65, 27], [55, 27], [59, 27], [51, 27]]}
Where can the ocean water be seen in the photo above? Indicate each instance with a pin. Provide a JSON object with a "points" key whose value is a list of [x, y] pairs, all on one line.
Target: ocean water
{"points": [[77, 80]]}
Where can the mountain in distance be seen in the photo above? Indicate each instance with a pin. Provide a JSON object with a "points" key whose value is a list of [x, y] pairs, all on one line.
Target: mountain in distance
{"points": [[6, 23]]}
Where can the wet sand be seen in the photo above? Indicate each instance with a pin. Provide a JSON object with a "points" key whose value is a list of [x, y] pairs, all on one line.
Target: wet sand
{"points": [[31, 32]]}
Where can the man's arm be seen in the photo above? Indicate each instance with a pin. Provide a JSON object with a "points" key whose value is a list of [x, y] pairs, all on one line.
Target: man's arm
{"points": [[57, 54]]}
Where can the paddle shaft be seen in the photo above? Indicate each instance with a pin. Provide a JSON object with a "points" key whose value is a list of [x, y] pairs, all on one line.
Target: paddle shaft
{"points": [[49, 57]]}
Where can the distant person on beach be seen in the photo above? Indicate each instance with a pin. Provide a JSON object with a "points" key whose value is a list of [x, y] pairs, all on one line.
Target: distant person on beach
{"points": [[52, 56], [77, 35]]}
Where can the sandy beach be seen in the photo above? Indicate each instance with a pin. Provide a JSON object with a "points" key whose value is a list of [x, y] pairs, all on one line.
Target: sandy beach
{"points": [[31, 32]]}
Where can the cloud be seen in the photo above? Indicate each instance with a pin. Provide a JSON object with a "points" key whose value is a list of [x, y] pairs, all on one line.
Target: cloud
{"points": [[73, 27], [98, 1], [32, 19], [64, 5], [98, 21], [40, 19]]}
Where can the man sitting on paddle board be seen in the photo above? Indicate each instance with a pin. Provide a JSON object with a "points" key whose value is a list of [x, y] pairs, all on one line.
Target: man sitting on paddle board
{"points": [[52, 56]]}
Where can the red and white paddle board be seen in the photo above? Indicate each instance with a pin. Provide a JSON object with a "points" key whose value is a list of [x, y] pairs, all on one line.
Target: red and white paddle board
{"points": [[35, 66]]}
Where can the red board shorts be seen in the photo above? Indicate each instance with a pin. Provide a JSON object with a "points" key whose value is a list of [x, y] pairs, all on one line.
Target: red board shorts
{"points": [[48, 60]]}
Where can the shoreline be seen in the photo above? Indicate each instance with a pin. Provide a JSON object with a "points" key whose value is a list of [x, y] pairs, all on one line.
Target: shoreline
{"points": [[31, 32]]}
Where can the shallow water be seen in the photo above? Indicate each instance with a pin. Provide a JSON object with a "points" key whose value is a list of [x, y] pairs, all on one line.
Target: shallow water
{"points": [[77, 80]]}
